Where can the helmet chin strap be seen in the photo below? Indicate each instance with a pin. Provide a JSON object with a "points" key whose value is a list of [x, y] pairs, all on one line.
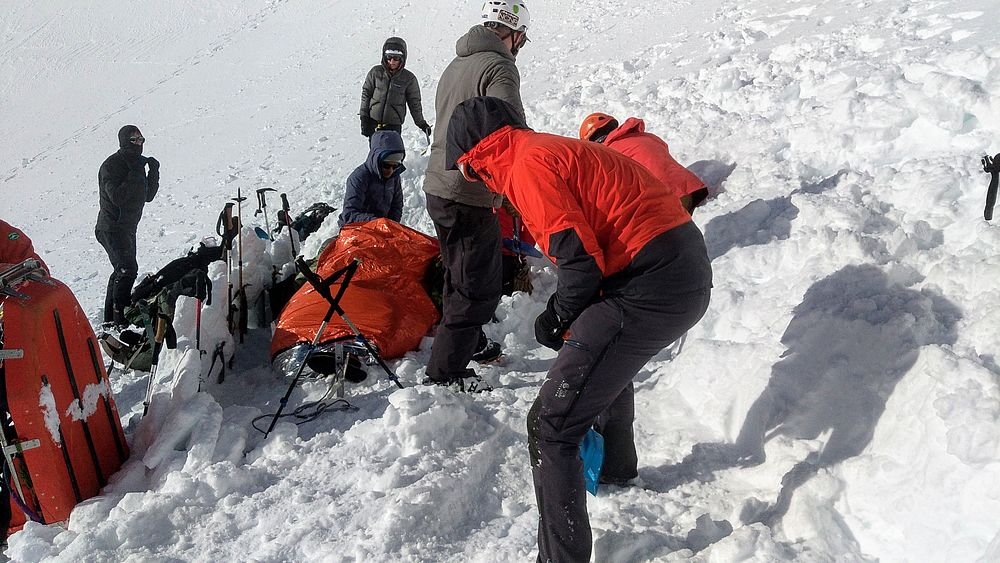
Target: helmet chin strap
{"points": [[516, 44]]}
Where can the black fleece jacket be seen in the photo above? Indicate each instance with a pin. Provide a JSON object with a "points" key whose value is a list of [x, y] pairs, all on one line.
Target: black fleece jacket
{"points": [[125, 187]]}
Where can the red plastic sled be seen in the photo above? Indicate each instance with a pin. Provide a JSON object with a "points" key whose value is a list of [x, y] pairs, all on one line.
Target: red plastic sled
{"points": [[386, 299], [67, 438]]}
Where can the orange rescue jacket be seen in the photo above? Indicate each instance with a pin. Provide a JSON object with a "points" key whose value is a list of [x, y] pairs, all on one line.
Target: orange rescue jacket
{"points": [[590, 208], [653, 153]]}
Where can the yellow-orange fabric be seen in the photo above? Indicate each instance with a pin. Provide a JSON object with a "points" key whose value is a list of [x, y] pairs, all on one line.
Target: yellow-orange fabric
{"points": [[385, 300]]}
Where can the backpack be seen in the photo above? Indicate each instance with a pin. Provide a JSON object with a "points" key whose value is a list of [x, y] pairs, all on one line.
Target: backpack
{"points": [[310, 220]]}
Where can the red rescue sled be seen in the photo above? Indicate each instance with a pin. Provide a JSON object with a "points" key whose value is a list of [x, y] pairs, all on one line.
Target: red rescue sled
{"points": [[66, 439], [386, 299]]}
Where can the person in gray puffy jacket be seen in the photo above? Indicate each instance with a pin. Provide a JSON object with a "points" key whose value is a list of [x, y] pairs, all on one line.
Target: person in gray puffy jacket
{"points": [[389, 88], [375, 189], [463, 211]]}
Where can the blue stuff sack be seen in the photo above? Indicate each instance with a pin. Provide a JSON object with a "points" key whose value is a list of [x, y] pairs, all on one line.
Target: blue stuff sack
{"points": [[592, 454]]}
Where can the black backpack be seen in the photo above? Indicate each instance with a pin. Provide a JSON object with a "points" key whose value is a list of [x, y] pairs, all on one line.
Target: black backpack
{"points": [[310, 220], [191, 270]]}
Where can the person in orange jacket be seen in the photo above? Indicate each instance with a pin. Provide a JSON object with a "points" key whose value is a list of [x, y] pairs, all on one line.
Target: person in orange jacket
{"points": [[633, 276], [632, 140], [15, 246]]}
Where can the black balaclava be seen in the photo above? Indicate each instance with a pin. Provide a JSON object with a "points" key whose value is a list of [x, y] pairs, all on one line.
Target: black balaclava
{"points": [[473, 120], [124, 136]]}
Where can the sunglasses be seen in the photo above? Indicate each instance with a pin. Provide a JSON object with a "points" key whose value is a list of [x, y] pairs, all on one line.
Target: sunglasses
{"points": [[468, 172], [137, 140], [390, 165], [393, 58]]}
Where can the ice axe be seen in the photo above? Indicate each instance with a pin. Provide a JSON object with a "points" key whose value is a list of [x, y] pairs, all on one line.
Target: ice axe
{"points": [[241, 292], [287, 221], [991, 166], [262, 208], [157, 344]]}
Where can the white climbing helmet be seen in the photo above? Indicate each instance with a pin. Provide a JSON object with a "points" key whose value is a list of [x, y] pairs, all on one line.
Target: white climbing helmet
{"points": [[510, 13]]}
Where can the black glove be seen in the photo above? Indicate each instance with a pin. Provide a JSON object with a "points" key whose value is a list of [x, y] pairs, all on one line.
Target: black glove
{"points": [[153, 164], [425, 128], [549, 328], [991, 165], [367, 126]]}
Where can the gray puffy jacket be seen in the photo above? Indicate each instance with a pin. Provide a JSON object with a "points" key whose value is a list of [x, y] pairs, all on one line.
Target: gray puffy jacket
{"points": [[385, 96], [484, 67]]}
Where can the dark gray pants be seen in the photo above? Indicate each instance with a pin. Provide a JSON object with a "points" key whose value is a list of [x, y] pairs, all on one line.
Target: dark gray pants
{"points": [[591, 379], [121, 249], [470, 250]]}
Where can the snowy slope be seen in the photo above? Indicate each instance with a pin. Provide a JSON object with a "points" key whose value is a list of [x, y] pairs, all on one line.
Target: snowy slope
{"points": [[852, 319]]}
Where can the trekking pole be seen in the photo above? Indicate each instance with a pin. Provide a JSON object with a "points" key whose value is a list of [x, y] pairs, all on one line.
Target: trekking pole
{"points": [[323, 288], [225, 230], [992, 167], [262, 208], [288, 221], [201, 281], [161, 331], [241, 293]]}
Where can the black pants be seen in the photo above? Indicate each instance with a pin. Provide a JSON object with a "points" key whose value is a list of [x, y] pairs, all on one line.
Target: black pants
{"points": [[470, 252], [121, 250], [591, 381], [511, 268]]}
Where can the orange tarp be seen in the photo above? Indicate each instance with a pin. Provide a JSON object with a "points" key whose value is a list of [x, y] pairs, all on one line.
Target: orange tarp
{"points": [[385, 300]]}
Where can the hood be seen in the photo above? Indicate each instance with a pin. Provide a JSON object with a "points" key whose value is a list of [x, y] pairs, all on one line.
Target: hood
{"points": [[631, 126], [124, 134], [480, 39], [394, 44], [475, 119], [384, 142]]}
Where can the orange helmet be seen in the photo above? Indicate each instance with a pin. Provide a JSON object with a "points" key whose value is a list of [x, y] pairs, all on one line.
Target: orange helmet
{"points": [[597, 125]]}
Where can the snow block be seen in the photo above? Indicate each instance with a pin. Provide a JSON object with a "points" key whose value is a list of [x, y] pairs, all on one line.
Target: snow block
{"points": [[66, 438]]}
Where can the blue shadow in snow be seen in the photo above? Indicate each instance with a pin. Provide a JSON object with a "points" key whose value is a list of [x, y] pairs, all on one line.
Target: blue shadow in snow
{"points": [[760, 222], [851, 340]]}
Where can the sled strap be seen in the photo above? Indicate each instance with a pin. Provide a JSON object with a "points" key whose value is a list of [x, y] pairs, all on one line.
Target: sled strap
{"points": [[79, 398], [65, 454], [112, 422]]}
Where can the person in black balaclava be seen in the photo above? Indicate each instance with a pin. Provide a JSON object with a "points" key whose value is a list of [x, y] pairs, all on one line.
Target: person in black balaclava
{"points": [[125, 187], [388, 89]]}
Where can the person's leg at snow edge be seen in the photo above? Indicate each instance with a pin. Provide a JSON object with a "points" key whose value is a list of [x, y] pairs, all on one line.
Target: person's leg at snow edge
{"points": [[609, 343], [621, 463], [121, 249], [470, 239]]}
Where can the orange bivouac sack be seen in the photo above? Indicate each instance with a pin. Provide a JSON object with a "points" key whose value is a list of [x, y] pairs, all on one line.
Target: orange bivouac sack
{"points": [[66, 438], [386, 298]]}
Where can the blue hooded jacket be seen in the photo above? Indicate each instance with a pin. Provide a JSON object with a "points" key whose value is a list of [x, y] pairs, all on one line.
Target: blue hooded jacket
{"points": [[368, 195]]}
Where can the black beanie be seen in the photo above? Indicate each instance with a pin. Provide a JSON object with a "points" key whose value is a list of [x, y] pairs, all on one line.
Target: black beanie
{"points": [[473, 120]]}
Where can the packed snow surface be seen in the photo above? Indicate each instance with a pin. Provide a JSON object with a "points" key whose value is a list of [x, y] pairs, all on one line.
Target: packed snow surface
{"points": [[850, 342]]}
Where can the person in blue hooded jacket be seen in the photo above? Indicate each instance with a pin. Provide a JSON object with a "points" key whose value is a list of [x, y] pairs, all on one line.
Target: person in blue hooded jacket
{"points": [[375, 189]]}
